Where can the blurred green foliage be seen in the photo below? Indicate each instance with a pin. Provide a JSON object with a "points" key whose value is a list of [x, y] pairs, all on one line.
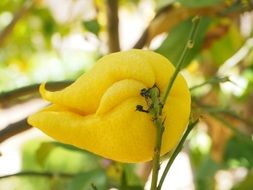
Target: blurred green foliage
{"points": [[61, 158], [247, 184], [28, 55], [179, 37], [83, 168], [40, 48], [239, 153], [200, 3]]}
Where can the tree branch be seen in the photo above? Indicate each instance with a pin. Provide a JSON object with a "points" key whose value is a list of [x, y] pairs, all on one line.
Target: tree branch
{"points": [[227, 112], [17, 16], [112, 25], [14, 129], [6, 98], [236, 131], [224, 117], [38, 174]]}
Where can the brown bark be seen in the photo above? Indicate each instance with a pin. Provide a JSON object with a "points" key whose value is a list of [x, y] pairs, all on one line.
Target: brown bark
{"points": [[112, 25], [14, 129]]}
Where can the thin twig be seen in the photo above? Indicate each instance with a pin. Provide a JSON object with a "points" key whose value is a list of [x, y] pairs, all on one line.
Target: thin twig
{"points": [[37, 174], [230, 113], [248, 122], [214, 80], [216, 112], [186, 51], [112, 25], [14, 129], [5, 97], [232, 127], [156, 157], [220, 110], [157, 112], [152, 96], [175, 153], [22, 125]]}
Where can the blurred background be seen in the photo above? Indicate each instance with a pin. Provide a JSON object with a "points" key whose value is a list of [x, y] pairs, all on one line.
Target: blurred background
{"points": [[56, 41]]}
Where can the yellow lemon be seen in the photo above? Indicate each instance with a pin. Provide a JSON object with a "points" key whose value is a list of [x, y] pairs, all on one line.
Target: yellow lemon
{"points": [[98, 111]]}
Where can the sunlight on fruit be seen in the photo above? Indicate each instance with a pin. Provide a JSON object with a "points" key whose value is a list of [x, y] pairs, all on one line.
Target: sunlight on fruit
{"points": [[56, 42], [98, 111]]}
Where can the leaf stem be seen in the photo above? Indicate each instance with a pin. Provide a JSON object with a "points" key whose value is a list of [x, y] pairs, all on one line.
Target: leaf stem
{"points": [[157, 150], [212, 81], [175, 153], [218, 112], [158, 104], [235, 130], [189, 45]]}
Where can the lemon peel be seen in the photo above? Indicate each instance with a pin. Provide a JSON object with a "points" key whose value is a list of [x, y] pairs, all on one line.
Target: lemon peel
{"points": [[98, 111]]}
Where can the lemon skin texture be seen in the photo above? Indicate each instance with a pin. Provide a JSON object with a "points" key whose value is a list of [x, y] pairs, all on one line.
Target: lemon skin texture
{"points": [[98, 111]]}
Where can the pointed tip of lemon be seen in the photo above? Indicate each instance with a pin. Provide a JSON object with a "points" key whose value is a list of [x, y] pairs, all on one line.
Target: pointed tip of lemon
{"points": [[42, 88], [31, 120], [44, 93]]}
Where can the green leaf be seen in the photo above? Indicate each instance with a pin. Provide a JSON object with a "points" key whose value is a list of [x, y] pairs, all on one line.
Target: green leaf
{"points": [[172, 47], [123, 180], [85, 181], [225, 47], [43, 151], [92, 26], [199, 3], [205, 174], [46, 148], [239, 153], [132, 177], [29, 163], [125, 184]]}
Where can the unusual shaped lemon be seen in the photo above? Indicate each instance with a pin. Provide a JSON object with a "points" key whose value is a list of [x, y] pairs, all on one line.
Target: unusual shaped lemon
{"points": [[98, 111]]}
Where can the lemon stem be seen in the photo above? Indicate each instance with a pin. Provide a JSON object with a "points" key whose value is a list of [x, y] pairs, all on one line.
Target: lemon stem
{"points": [[175, 153], [156, 110], [157, 150], [189, 45]]}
